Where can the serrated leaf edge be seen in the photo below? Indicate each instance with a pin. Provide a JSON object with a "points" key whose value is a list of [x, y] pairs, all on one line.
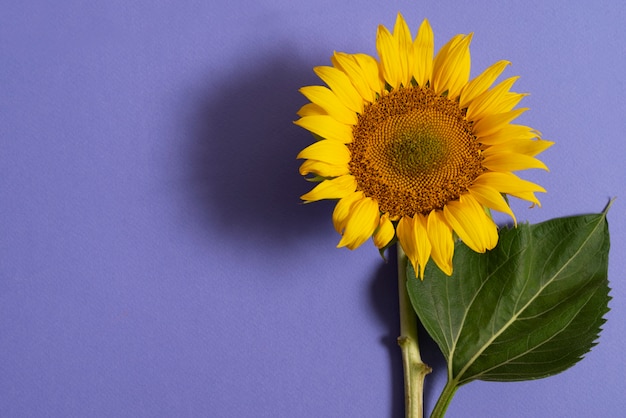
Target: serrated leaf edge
{"points": [[513, 318], [477, 376]]}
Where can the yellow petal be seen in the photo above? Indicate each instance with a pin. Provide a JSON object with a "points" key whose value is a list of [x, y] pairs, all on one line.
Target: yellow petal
{"points": [[423, 50], [349, 65], [507, 102], [470, 222], [444, 50], [328, 151], [423, 243], [361, 223], [527, 196], [327, 100], [342, 210], [507, 183], [413, 237], [508, 133], [492, 123], [331, 189], [530, 147], [442, 241], [404, 230], [491, 198], [326, 127], [404, 45], [487, 102], [340, 84], [389, 57], [451, 67], [509, 161], [481, 83], [385, 232], [369, 65], [323, 169], [510, 184], [311, 109]]}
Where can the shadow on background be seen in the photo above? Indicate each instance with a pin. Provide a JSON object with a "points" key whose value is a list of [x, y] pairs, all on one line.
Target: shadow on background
{"points": [[245, 180], [384, 299], [243, 152]]}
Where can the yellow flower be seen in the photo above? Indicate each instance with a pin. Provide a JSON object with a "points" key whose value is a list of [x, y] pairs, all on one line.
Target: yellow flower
{"points": [[413, 149]]}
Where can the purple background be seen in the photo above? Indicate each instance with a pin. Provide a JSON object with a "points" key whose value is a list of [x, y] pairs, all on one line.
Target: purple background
{"points": [[154, 257]]}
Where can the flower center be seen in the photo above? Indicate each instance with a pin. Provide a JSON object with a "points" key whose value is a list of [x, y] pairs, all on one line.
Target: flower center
{"points": [[413, 152]]}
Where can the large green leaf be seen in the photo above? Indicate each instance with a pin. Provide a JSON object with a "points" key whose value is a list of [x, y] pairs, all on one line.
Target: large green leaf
{"points": [[530, 308]]}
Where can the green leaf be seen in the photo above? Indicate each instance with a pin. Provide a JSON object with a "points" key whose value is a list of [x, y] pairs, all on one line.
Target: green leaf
{"points": [[529, 308]]}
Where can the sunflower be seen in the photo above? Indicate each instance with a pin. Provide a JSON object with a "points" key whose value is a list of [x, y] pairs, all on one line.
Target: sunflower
{"points": [[415, 151]]}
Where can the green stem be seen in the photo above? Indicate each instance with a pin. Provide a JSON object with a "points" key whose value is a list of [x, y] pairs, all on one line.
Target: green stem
{"points": [[444, 399], [414, 369]]}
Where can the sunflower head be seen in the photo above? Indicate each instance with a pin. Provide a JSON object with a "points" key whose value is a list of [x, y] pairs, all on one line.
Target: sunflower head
{"points": [[415, 151]]}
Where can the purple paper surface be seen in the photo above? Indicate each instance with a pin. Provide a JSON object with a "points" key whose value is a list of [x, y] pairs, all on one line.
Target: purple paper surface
{"points": [[155, 259]]}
